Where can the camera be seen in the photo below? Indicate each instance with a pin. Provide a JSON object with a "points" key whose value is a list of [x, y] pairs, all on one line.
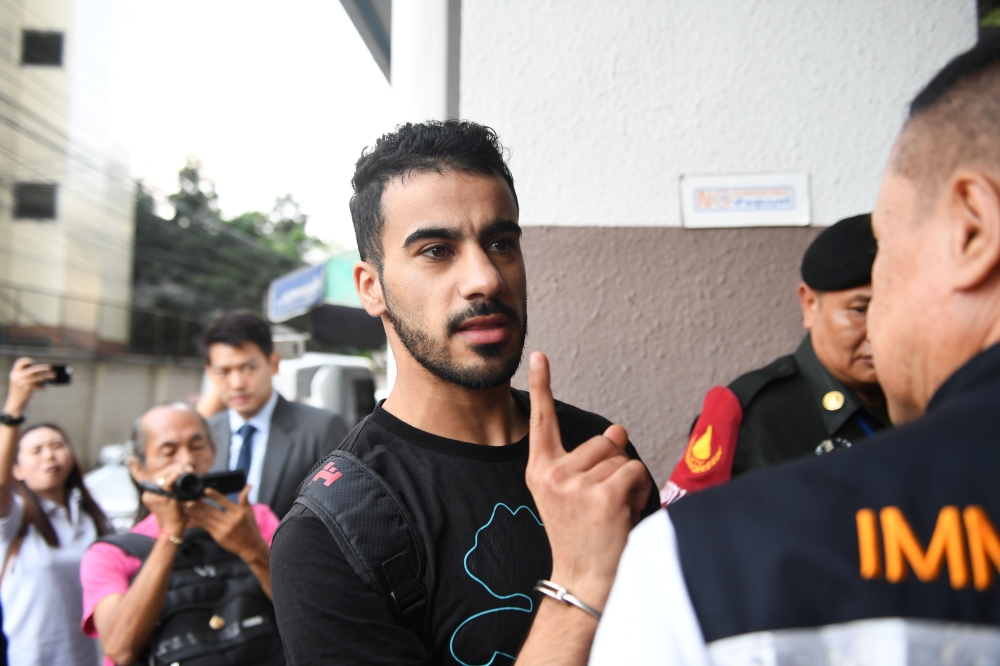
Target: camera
{"points": [[190, 487], [63, 374]]}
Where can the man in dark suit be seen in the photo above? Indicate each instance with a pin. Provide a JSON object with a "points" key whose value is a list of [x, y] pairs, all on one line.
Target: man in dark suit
{"points": [[273, 440]]}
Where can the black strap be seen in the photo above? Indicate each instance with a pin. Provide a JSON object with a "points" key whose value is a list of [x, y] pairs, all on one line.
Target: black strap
{"points": [[407, 592], [373, 528], [136, 545]]}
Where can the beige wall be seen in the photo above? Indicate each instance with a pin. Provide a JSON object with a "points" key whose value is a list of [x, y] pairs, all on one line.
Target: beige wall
{"points": [[106, 395], [640, 322], [604, 107]]}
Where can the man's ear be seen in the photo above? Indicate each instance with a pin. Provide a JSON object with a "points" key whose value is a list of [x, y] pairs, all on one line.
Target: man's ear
{"points": [[809, 300], [275, 362], [135, 469], [369, 288], [16, 472], [974, 212]]}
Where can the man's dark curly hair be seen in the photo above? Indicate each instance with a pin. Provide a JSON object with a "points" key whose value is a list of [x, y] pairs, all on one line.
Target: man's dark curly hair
{"points": [[458, 145]]}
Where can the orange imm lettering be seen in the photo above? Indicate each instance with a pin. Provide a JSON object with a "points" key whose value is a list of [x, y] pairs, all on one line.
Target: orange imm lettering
{"points": [[984, 546], [902, 548], [871, 563]]}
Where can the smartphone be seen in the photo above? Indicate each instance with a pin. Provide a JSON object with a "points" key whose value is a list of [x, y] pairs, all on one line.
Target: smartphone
{"points": [[226, 482], [64, 374]]}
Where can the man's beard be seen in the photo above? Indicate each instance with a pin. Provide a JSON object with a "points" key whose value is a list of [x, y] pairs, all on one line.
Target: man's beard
{"points": [[435, 355]]}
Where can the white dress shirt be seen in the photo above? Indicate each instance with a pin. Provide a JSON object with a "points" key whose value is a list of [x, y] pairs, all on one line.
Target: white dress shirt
{"points": [[262, 422], [41, 592]]}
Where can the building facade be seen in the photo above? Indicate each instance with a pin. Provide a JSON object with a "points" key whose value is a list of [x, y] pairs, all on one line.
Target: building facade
{"points": [[606, 107], [66, 195]]}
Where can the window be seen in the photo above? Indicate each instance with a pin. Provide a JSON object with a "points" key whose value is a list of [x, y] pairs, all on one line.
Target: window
{"points": [[34, 201], [41, 48]]}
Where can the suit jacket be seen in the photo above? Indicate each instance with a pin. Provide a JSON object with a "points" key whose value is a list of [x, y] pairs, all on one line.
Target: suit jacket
{"points": [[300, 435]]}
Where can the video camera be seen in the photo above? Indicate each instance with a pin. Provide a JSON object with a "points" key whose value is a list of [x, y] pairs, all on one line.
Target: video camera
{"points": [[190, 487]]}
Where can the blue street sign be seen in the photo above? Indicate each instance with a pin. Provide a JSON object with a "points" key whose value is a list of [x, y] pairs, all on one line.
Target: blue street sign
{"points": [[296, 293]]}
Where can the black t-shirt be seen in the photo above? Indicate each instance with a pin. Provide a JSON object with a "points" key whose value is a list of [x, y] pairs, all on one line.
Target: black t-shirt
{"points": [[486, 549]]}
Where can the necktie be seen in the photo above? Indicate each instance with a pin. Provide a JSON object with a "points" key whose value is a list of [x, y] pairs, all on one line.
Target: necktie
{"points": [[246, 450]]}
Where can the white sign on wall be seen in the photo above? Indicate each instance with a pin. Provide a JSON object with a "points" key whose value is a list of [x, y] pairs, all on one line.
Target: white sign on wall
{"points": [[765, 200]]}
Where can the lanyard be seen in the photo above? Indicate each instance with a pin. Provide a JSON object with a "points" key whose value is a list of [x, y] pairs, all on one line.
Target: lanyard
{"points": [[864, 425]]}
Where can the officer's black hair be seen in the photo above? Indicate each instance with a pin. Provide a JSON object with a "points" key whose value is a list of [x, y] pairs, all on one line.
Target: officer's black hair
{"points": [[974, 61], [954, 121], [458, 145]]}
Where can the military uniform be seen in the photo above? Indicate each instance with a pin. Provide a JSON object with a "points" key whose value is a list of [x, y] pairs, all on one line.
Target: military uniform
{"points": [[795, 407]]}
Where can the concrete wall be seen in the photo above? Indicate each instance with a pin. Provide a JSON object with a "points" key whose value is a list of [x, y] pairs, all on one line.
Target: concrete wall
{"points": [[605, 105], [637, 328], [106, 395]]}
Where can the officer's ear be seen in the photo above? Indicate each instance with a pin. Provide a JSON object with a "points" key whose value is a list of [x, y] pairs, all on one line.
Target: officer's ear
{"points": [[973, 210], [809, 300]]}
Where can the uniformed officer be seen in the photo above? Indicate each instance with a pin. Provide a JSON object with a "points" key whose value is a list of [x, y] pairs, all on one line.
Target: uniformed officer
{"points": [[886, 553], [823, 397]]}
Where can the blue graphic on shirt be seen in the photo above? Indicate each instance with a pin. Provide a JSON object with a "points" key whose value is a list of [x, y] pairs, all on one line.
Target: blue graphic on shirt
{"points": [[497, 556]]}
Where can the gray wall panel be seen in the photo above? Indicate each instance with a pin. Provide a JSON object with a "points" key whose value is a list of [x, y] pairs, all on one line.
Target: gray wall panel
{"points": [[640, 322]]}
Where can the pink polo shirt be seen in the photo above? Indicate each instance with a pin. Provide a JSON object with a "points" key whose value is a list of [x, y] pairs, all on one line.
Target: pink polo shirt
{"points": [[107, 570]]}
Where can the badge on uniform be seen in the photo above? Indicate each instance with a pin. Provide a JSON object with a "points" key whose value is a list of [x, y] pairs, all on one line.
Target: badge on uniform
{"points": [[708, 458], [833, 401], [832, 444]]}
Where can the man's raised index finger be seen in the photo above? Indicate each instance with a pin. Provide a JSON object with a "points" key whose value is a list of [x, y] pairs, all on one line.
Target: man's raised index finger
{"points": [[543, 437]]}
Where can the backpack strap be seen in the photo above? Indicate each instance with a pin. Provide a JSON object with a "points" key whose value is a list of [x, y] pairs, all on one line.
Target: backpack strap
{"points": [[373, 528], [136, 545]]}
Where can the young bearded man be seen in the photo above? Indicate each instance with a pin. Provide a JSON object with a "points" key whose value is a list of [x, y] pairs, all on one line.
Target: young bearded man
{"points": [[436, 218]]}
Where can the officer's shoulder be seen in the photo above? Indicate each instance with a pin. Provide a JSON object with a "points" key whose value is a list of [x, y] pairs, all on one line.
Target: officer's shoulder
{"points": [[747, 386], [307, 413]]}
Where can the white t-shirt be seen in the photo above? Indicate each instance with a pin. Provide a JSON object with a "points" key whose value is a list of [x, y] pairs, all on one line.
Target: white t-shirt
{"points": [[41, 592], [649, 618]]}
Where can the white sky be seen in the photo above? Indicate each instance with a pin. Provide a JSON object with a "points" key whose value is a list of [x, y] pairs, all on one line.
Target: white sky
{"points": [[273, 97]]}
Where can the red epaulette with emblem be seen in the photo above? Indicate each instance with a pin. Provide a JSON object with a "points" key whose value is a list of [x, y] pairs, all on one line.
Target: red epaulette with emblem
{"points": [[708, 458]]}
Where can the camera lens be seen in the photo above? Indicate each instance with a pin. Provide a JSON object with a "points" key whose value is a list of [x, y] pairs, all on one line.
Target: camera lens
{"points": [[188, 487]]}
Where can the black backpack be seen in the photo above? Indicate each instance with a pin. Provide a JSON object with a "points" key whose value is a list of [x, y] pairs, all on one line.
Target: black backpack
{"points": [[373, 528], [215, 612]]}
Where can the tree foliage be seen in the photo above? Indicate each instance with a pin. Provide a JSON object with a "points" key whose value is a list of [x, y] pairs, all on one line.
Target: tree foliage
{"points": [[197, 263]]}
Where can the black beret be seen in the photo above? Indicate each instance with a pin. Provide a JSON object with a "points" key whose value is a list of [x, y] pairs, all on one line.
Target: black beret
{"points": [[842, 256]]}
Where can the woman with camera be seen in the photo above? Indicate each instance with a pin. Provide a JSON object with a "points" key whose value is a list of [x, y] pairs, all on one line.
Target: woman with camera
{"points": [[47, 522]]}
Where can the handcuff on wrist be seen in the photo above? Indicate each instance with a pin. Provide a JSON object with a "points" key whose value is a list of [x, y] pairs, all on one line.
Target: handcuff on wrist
{"points": [[560, 593]]}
